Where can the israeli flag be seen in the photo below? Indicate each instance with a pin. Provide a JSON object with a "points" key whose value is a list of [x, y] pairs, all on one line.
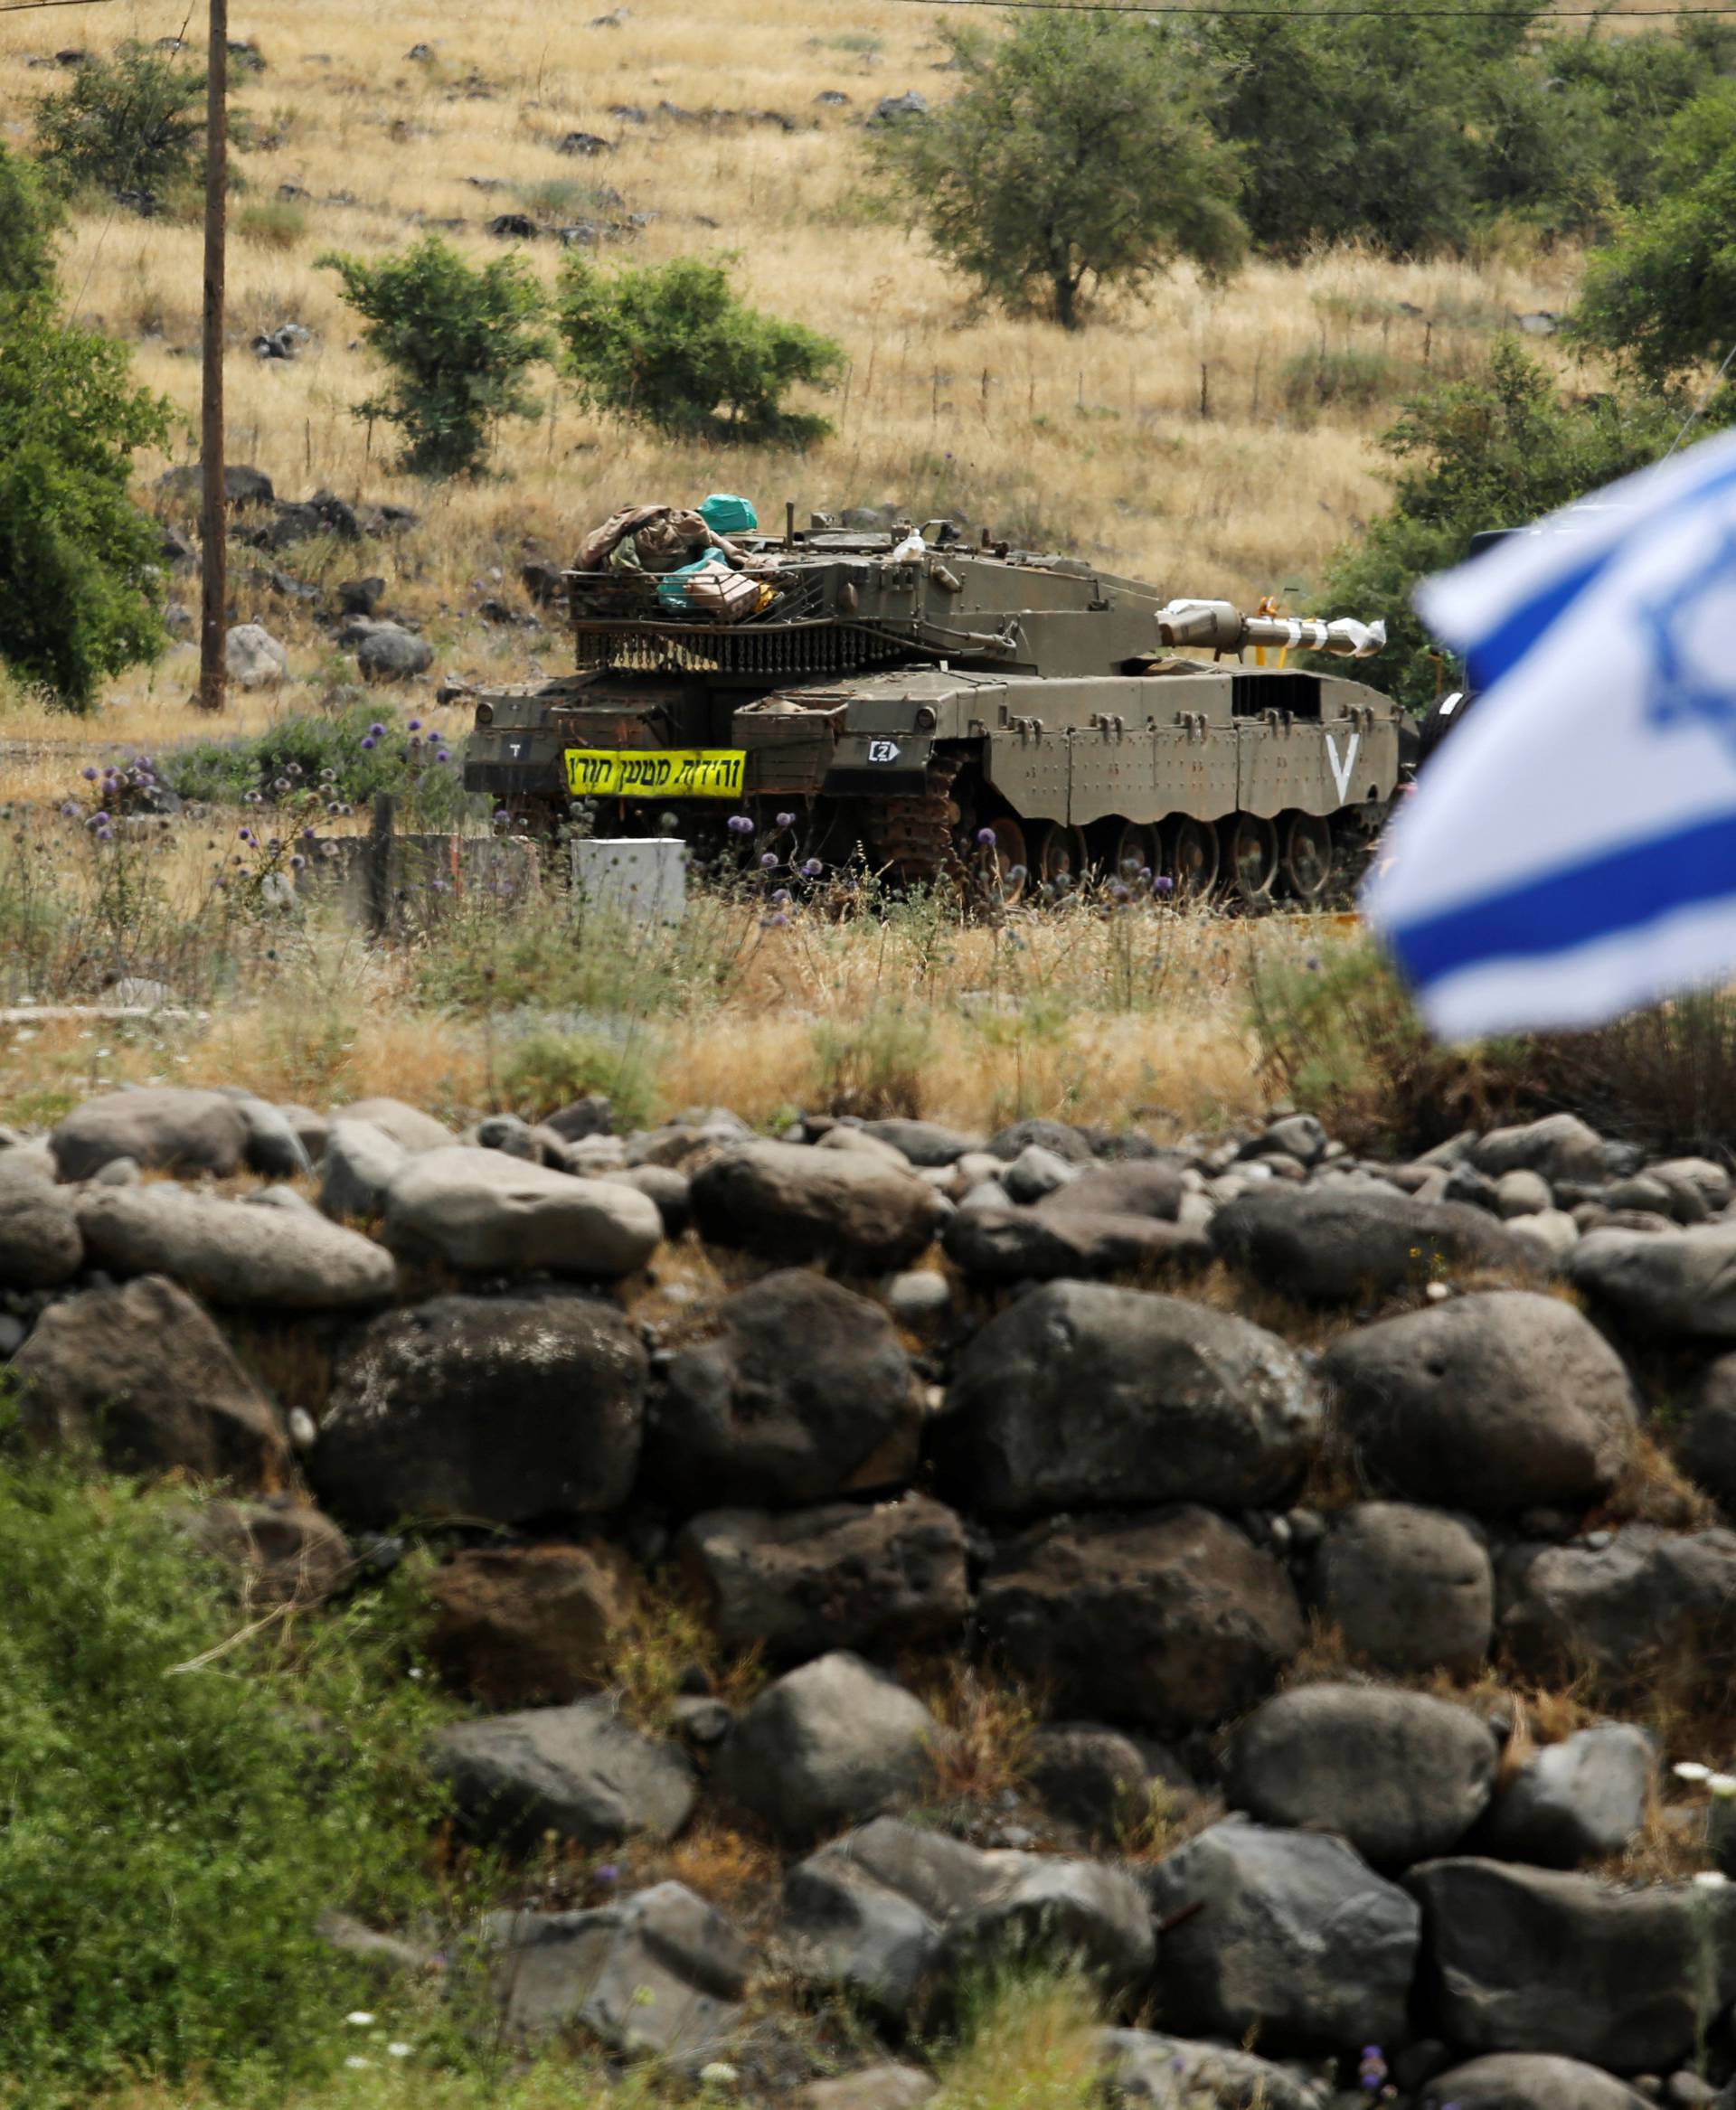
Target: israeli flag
{"points": [[1571, 852]]}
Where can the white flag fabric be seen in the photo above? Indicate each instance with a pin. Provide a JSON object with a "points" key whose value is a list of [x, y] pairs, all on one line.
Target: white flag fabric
{"points": [[1571, 852]]}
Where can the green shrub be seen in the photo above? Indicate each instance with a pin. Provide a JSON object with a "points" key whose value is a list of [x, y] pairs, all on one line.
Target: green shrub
{"points": [[1321, 379], [548, 1069], [874, 1065], [170, 1830], [459, 340], [29, 218], [671, 346], [80, 586], [1075, 156], [337, 758], [272, 224], [129, 123]]}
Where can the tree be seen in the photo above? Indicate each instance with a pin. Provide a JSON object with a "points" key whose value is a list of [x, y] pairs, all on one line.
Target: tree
{"points": [[29, 219], [1499, 450], [129, 123], [674, 346], [79, 577], [1074, 157], [459, 339], [1662, 295]]}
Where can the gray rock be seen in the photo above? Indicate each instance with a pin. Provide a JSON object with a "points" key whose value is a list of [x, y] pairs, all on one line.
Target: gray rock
{"points": [[1708, 1445], [805, 1392], [1172, 1619], [507, 1133], [1034, 1173], [924, 1142], [1340, 1244], [1560, 1147], [40, 1243], [1081, 1395], [1522, 1193], [1410, 1589], [1495, 1403], [1139, 1187], [788, 1201], [884, 2085], [280, 1197], [122, 1172], [1524, 2080], [581, 1772], [1575, 1800], [507, 1409], [1670, 1282], [994, 1243], [825, 1746], [254, 658], [1292, 1936], [406, 1125], [667, 1188], [1098, 1780], [895, 1915], [1709, 1179], [1529, 1959], [139, 1375], [1549, 1237], [847, 1576], [389, 653], [894, 109], [842, 1137], [386, 1956], [919, 1298], [273, 1146], [661, 1973], [1059, 1137], [165, 1128], [360, 1164], [484, 1213], [590, 1116], [278, 1552], [1638, 1604], [1403, 1775], [1296, 1135], [1177, 2073], [258, 1258]]}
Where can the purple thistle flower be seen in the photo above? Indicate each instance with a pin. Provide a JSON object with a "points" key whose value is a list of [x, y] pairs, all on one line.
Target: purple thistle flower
{"points": [[769, 860], [740, 825], [298, 861], [986, 838], [785, 820], [502, 815], [99, 820], [104, 834], [246, 835], [69, 810], [778, 922], [415, 725], [88, 775], [812, 869], [1014, 873], [370, 742], [445, 754], [376, 732], [1162, 884], [781, 894], [607, 1873]]}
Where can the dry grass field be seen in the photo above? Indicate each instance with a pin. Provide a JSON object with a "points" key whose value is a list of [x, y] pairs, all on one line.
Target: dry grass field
{"points": [[1174, 439]]}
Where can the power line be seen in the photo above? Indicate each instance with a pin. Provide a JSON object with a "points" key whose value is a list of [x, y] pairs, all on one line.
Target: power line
{"points": [[1304, 12]]}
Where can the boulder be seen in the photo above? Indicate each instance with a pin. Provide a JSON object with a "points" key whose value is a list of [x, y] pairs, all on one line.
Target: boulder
{"points": [[274, 1146], [279, 1553], [1676, 1283], [847, 1576], [268, 1259], [788, 1201], [663, 1974], [1172, 1618], [924, 1142], [1410, 1589], [842, 1137], [1522, 1193], [1575, 1800], [1526, 2080], [40, 1244], [519, 1625], [1036, 1172], [1341, 1244], [505, 1408], [1708, 1445], [1403, 1775], [163, 1128], [1711, 1180], [1082, 1396], [581, 1772], [884, 2085], [1640, 1603], [1560, 1147], [895, 1914], [254, 658], [1098, 1779], [825, 1746], [1530, 1960], [360, 1164], [389, 653], [1061, 1137], [1134, 1188], [590, 1116], [141, 1376], [509, 1133], [1176, 2073], [1549, 1237], [993, 1243], [805, 1392], [667, 1188], [484, 1213], [1495, 1402], [1284, 1934], [407, 1126]]}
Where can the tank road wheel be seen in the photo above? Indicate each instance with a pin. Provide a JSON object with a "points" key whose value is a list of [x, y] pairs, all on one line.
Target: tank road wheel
{"points": [[1307, 857], [1250, 859], [1133, 849], [1061, 857], [1191, 856]]}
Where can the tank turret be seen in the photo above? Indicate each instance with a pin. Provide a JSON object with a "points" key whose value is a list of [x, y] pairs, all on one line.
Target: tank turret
{"points": [[902, 698]]}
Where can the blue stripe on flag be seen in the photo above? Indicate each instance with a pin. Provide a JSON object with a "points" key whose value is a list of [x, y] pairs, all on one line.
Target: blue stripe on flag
{"points": [[1622, 891]]}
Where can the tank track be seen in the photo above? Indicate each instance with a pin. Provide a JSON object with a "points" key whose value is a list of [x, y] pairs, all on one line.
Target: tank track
{"points": [[915, 839]]}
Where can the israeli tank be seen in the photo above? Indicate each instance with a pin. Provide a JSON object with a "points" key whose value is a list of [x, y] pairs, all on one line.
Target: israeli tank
{"points": [[901, 695]]}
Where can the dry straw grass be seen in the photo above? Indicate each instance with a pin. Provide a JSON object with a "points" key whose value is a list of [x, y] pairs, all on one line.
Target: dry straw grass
{"points": [[1099, 440]]}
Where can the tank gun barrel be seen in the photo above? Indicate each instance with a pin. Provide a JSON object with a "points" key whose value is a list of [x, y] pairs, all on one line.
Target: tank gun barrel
{"points": [[1220, 626]]}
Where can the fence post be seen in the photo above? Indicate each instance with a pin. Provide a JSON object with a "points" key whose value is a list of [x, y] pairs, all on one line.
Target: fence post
{"points": [[378, 865]]}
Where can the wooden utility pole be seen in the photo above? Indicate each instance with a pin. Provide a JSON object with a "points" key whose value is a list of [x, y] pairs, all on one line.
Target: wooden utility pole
{"points": [[214, 607]]}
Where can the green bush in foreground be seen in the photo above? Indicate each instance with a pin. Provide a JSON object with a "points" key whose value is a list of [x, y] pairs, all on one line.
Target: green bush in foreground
{"points": [[169, 1834]]}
